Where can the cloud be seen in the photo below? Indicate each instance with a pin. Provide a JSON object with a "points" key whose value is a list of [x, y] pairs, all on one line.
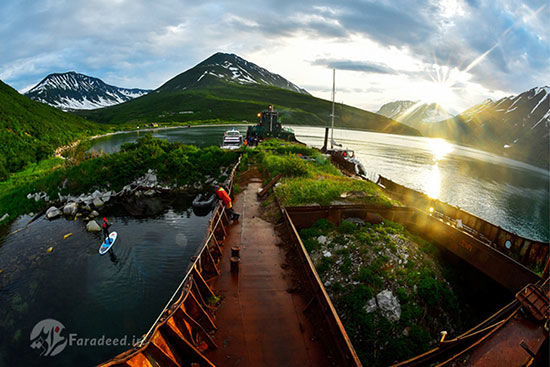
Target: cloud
{"points": [[390, 45], [363, 66]]}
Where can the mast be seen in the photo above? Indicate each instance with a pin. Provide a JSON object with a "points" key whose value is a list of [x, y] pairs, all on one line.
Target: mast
{"points": [[332, 114]]}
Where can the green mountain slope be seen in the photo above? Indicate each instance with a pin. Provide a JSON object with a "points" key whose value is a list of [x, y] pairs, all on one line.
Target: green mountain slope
{"points": [[30, 131], [206, 92]]}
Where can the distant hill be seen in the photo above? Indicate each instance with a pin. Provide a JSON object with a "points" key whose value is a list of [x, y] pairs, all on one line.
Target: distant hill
{"points": [[413, 113], [227, 87], [515, 126], [73, 91], [30, 131]]}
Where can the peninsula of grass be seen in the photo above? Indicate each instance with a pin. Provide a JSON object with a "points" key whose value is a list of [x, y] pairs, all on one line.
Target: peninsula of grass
{"points": [[308, 176], [174, 163]]}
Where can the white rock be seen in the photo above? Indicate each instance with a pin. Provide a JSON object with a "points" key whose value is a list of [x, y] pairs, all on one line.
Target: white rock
{"points": [[371, 305], [94, 214], [92, 226], [4, 217], [98, 203], [327, 253], [53, 212], [322, 240], [30, 196], [96, 194], [389, 305], [70, 208]]}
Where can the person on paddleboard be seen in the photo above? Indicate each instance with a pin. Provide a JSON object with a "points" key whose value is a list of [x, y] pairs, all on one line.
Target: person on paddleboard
{"points": [[105, 226], [224, 196]]}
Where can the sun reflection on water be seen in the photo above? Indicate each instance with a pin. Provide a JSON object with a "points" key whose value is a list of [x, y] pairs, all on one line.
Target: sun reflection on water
{"points": [[440, 148]]}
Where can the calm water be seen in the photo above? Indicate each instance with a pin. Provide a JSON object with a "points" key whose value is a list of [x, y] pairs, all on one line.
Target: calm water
{"points": [[199, 136], [511, 194], [114, 295]]}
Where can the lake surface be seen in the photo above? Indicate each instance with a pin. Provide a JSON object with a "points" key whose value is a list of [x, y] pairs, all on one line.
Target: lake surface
{"points": [[508, 193], [117, 295]]}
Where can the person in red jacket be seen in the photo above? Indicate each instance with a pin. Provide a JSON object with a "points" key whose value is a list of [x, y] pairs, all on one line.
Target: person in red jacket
{"points": [[105, 226], [224, 196]]}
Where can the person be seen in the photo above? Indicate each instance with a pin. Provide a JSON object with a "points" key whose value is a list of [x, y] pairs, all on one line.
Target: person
{"points": [[245, 143], [105, 226], [224, 196]]}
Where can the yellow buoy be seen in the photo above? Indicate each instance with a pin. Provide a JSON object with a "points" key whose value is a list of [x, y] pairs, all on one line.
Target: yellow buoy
{"points": [[67, 235], [50, 249]]}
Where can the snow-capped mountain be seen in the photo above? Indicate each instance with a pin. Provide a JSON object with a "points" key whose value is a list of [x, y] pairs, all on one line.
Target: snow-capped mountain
{"points": [[515, 126], [74, 91], [222, 67], [413, 113]]}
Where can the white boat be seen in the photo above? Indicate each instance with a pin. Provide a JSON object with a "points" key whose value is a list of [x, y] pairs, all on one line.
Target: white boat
{"points": [[232, 139]]}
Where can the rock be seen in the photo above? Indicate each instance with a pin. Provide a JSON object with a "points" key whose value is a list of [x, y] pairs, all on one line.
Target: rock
{"points": [[106, 196], [389, 305], [149, 193], [353, 195], [96, 194], [358, 221], [30, 196], [327, 253], [322, 239], [4, 217], [70, 208], [94, 214], [98, 203], [86, 207], [371, 305], [92, 226], [53, 212]]}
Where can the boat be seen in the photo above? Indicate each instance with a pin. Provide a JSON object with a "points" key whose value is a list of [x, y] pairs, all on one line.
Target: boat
{"points": [[203, 204], [232, 139]]}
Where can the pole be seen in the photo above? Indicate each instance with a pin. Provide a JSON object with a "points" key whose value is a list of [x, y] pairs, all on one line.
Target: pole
{"points": [[332, 115]]}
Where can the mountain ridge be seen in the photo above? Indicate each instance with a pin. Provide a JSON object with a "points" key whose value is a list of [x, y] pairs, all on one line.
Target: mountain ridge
{"points": [[413, 113], [72, 90], [515, 126], [197, 95]]}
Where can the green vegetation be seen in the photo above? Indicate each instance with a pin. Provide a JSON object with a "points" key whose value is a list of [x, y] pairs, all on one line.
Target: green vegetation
{"points": [[174, 163], [236, 102], [30, 131], [357, 262], [310, 180]]}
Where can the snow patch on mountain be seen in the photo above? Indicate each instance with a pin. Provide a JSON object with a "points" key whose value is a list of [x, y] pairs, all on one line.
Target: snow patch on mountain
{"points": [[74, 91]]}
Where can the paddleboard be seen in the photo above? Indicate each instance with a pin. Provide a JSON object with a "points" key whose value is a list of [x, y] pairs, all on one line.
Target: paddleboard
{"points": [[106, 246]]}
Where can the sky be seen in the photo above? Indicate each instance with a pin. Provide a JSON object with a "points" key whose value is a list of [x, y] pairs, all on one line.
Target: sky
{"points": [[453, 52]]}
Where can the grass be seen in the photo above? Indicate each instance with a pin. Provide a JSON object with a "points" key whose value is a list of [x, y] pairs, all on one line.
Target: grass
{"points": [[174, 163], [363, 262], [308, 181]]}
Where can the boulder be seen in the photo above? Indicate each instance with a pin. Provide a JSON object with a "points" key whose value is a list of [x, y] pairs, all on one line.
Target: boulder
{"points": [[70, 209], [98, 203], [94, 214], [371, 305], [53, 212], [92, 226], [389, 305]]}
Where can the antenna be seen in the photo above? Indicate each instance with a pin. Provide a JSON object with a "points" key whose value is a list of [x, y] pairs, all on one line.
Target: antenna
{"points": [[332, 114]]}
